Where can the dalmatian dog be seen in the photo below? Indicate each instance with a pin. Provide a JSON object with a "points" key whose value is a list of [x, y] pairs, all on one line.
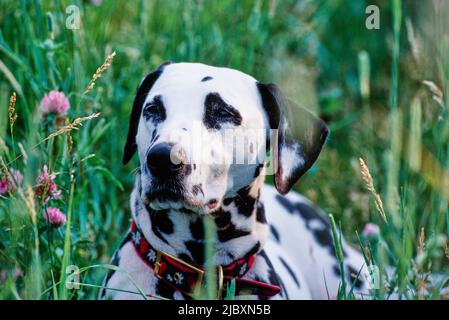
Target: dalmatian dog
{"points": [[188, 124]]}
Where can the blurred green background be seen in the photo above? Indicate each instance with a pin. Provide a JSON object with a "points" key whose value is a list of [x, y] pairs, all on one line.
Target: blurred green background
{"points": [[366, 84]]}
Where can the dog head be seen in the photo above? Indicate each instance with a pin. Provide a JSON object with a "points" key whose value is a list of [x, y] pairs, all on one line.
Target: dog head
{"points": [[202, 133]]}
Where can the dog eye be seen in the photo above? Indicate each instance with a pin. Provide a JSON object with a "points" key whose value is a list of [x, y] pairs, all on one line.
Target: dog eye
{"points": [[217, 112], [150, 108], [154, 111]]}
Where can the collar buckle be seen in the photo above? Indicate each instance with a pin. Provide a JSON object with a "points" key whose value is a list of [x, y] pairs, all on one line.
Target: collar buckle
{"points": [[162, 256]]}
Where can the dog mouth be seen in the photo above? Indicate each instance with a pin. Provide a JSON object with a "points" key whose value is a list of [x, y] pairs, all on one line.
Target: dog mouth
{"points": [[170, 197], [174, 198]]}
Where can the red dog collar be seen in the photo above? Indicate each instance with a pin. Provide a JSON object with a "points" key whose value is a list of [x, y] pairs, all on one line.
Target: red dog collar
{"points": [[187, 277]]}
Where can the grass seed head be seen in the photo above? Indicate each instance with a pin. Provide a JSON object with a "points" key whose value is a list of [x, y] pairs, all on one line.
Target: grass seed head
{"points": [[29, 202], [368, 180], [4, 169], [3, 146], [421, 240], [99, 72], [12, 110], [78, 122], [23, 152], [436, 92]]}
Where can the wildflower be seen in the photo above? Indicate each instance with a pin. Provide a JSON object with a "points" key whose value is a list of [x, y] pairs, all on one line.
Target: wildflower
{"points": [[96, 2], [55, 102], [14, 274], [55, 217], [46, 187], [11, 182], [371, 230]]}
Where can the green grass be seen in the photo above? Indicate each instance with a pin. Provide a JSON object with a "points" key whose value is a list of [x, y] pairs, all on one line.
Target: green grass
{"points": [[367, 85]]}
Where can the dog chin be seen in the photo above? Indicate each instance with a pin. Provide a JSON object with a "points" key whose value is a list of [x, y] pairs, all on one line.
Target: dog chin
{"points": [[171, 202], [172, 205], [164, 205], [186, 206], [168, 200]]}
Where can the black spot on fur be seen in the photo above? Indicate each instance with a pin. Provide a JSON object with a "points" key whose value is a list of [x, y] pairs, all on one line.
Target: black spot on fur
{"points": [[227, 201], [222, 219], [231, 232], [197, 229], [196, 250], [355, 277], [290, 271], [226, 230], [287, 204], [253, 250], [197, 189], [115, 261], [275, 233], [207, 78], [186, 170], [159, 235], [244, 202], [160, 222], [306, 211], [185, 257], [154, 136], [154, 110], [260, 213], [230, 255], [272, 276], [336, 270], [218, 112], [324, 238]]}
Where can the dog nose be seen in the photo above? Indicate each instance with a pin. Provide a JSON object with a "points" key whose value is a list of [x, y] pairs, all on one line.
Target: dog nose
{"points": [[161, 162]]}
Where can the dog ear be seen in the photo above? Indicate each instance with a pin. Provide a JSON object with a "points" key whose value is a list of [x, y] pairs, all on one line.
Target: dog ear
{"points": [[294, 150], [142, 91]]}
